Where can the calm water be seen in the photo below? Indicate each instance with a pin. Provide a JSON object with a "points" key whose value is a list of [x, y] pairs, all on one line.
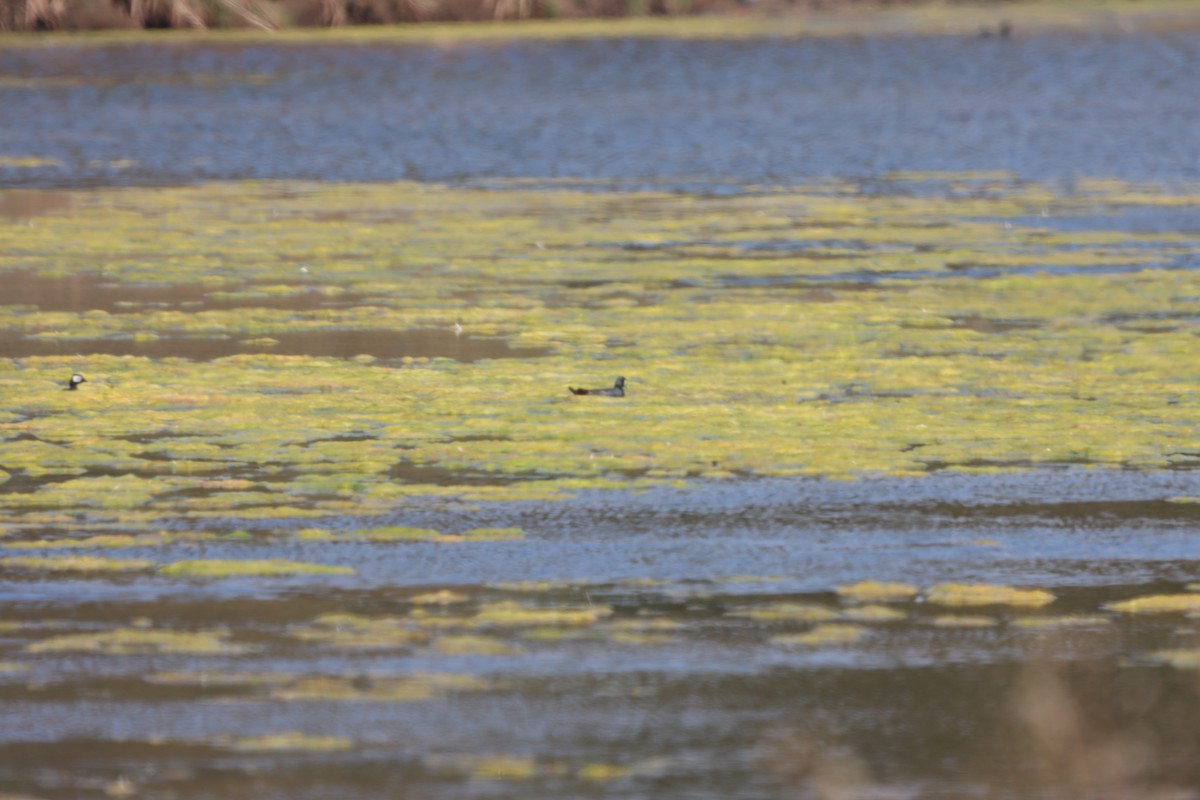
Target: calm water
{"points": [[711, 703], [624, 112]]}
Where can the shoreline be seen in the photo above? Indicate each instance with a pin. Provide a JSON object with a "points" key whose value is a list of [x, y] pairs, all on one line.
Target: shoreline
{"points": [[273, 22]]}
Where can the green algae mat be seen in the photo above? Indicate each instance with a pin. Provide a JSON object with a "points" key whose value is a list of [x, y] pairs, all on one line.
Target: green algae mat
{"points": [[287, 350]]}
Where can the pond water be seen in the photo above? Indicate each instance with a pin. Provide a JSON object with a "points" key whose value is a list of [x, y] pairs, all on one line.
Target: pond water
{"points": [[699, 115], [698, 639]]}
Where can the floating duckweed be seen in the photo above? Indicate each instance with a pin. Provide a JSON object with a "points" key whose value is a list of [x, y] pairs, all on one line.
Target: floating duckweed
{"points": [[415, 688], [227, 568], [1180, 659], [28, 162], [154, 437], [289, 741], [873, 613], [136, 641], [107, 540], [361, 633], [498, 768], [543, 634], [637, 638], [787, 612], [398, 533], [828, 633], [532, 586], [599, 772], [510, 614], [641, 623], [442, 597], [1158, 604], [471, 645], [968, 594], [874, 591], [319, 534], [110, 541], [121, 787], [95, 564], [493, 534]]}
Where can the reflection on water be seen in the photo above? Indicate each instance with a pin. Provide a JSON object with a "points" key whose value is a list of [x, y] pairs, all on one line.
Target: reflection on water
{"points": [[382, 344], [25, 204], [87, 291]]}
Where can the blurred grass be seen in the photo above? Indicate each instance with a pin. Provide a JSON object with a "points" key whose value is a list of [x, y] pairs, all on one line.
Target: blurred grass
{"points": [[391, 19]]}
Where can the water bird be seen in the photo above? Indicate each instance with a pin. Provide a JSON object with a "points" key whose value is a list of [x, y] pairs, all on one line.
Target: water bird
{"points": [[76, 379], [616, 390]]}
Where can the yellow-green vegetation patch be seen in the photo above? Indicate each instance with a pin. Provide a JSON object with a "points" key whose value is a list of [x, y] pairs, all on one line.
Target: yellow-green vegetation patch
{"points": [[534, 586], [230, 568], [601, 772], [740, 363], [493, 534], [1159, 604], [555, 634], [787, 612], [877, 592], [355, 632], [12, 667], [388, 689], [287, 741], [138, 641], [642, 630], [113, 541], [873, 612], [400, 533], [823, 634], [1180, 658], [473, 645], [442, 597], [82, 564], [981, 594], [496, 767], [508, 614], [28, 162], [397, 533], [647, 623]]}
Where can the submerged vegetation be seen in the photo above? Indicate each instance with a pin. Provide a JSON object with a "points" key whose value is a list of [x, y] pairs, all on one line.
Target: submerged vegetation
{"points": [[962, 322]]}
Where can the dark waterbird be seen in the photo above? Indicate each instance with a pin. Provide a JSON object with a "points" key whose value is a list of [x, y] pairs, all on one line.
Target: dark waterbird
{"points": [[76, 379], [616, 390]]}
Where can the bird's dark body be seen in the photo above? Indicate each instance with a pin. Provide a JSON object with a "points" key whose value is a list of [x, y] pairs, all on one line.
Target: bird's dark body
{"points": [[616, 390]]}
